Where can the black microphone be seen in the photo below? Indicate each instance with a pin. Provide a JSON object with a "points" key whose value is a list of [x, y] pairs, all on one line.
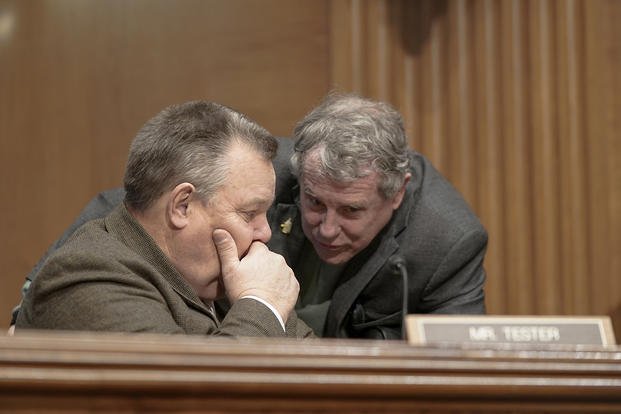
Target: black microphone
{"points": [[397, 262]]}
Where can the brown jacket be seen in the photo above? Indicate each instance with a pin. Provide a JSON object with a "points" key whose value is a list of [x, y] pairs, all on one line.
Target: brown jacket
{"points": [[111, 276]]}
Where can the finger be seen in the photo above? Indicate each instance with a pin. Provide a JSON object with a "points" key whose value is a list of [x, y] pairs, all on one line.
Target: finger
{"points": [[256, 246], [227, 249]]}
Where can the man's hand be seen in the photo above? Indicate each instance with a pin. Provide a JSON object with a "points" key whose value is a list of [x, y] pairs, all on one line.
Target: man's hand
{"points": [[260, 273]]}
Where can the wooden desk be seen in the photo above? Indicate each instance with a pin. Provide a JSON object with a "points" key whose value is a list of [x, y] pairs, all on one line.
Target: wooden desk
{"points": [[80, 373]]}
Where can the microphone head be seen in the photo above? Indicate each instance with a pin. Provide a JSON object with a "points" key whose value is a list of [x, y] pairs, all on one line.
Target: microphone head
{"points": [[396, 261]]}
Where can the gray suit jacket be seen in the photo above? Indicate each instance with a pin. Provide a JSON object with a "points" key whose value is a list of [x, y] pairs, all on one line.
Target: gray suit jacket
{"points": [[111, 276], [434, 231]]}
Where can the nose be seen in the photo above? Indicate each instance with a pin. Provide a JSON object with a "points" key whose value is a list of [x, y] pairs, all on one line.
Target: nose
{"points": [[329, 226], [263, 233]]}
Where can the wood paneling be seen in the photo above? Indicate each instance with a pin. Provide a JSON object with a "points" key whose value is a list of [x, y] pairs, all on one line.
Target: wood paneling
{"points": [[81, 373], [517, 102]]}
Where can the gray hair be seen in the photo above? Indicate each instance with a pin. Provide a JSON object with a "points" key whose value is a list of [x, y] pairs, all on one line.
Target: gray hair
{"points": [[354, 136], [188, 143]]}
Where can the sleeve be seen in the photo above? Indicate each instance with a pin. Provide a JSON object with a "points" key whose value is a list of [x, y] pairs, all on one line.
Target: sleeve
{"points": [[65, 296], [270, 307], [88, 292], [294, 326], [297, 328], [250, 317]]}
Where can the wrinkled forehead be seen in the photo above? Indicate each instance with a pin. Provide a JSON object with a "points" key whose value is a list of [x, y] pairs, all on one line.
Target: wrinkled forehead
{"points": [[316, 182]]}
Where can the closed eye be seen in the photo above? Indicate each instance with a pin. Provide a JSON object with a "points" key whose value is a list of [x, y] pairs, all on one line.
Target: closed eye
{"points": [[312, 201], [351, 210], [248, 215]]}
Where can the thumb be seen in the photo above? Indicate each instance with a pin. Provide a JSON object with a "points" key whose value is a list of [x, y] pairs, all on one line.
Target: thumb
{"points": [[227, 250]]}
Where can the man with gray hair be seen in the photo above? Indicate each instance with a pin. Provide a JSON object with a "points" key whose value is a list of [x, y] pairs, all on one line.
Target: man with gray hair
{"points": [[367, 212], [192, 229], [371, 229]]}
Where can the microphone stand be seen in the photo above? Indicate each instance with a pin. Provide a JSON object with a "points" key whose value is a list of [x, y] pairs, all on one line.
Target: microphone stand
{"points": [[398, 262]]}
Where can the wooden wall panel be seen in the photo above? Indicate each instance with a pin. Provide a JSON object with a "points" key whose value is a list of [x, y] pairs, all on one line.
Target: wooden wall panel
{"points": [[489, 203], [544, 163], [602, 80], [573, 163], [513, 68], [79, 77], [517, 102]]}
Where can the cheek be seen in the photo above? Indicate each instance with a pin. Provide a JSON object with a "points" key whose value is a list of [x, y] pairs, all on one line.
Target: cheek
{"points": [[353, 231], [243, 239], [311, 218], [360, 231]]}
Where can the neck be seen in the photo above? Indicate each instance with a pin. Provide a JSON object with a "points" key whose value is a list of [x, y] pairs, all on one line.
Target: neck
{"points": [[151, 220]]}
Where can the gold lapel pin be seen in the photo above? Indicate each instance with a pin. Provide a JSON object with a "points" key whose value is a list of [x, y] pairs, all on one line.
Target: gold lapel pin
{"points": [[285, 227]]}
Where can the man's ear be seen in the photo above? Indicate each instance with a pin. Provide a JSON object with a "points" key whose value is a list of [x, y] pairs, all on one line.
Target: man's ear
{"points": [[398, 198], [178, 204]]}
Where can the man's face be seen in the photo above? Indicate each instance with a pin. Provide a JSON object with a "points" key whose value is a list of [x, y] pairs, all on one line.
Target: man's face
{"points": [[239, 207], [341, 219]]}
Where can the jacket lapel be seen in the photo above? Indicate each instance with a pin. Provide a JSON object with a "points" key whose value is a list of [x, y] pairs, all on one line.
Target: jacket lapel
{"points": [[357, 275], [287, 235]]}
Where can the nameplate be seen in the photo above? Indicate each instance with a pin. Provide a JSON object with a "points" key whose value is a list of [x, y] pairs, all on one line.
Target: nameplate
{"points": [[551, 330]]}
